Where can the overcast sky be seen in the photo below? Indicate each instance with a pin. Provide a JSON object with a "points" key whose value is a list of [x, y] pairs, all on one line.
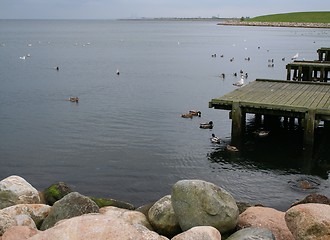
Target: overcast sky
{"points": [[114, 9]]}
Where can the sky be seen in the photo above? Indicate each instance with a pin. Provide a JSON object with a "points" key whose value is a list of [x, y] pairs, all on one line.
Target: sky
{"points": [[117, 9]]}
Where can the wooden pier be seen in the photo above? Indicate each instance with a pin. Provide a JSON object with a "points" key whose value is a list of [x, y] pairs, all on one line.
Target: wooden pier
{"points": [[317, 71], [305, 101], [324, 54]]}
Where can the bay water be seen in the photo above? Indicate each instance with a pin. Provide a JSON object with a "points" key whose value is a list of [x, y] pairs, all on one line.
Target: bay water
{"points": [[125, 138]]}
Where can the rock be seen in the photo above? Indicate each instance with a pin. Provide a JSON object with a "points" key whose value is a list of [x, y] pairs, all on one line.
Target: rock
{"points": [[131, 217], [38, 212], [103, 202], [268, 218], [97, 226], [145, 208], [252, 233], [310, 221], [55, 192], [200, 233], [15, 190], [163, 219], [19, 233], [200, 203], [7, 221], [313, 198], [73, 204]]}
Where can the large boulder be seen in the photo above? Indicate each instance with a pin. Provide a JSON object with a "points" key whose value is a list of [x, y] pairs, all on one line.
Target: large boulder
{"points": [[163, 219], [98, 226], [72, 205], [37, 212], [16, 190], [200, 233], [200, 203], [309, 221], [7, 221], [268, 218], [55, 192], [252, 233]]}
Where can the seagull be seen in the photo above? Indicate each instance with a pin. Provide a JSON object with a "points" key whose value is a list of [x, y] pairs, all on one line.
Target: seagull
{"points": [[240, 83], [295, 56]]}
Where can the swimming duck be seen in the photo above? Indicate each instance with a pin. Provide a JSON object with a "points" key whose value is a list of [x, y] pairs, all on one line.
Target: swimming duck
{"points": [[261, 133], [208, 125], [214, 139], [195, 113], [187, 115], [231, 148], [74, 99]]}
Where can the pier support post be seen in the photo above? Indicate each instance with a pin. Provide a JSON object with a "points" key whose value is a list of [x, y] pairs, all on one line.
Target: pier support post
{"points": [[309, 126], [238, 124]]}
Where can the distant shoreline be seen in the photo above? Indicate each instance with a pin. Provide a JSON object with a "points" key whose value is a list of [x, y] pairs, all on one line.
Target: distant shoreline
{"points": [[276, 24]]}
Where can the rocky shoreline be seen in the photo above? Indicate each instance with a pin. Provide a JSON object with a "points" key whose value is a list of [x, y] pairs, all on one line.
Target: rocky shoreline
{"points": [[276, 24], [194, 209]]}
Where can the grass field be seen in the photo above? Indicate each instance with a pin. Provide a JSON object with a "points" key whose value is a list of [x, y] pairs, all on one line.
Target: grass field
{"points": [[303, 17]]}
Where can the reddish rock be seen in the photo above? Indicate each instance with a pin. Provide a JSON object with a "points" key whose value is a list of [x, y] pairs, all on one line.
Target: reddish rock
{"points": [[268, 218], [309, 221]]}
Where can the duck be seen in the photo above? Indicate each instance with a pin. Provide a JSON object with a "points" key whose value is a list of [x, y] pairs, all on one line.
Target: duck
{"points": [[208, 125], [74, 99], [117, 72], [214, 139], [231, 148], [261, 133], [195, 113], [187, 115]]}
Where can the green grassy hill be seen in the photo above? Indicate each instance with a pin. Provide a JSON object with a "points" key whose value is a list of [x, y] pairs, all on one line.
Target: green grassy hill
{"points": [[303, 17]]}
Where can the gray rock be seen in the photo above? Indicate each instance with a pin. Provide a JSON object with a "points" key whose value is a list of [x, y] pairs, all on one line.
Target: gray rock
{"points": [[200, 203], [163, 219], [72, 205], [16, 190], [252, 233]]}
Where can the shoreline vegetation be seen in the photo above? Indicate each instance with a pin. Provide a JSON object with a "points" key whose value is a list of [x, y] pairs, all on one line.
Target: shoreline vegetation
{"points": [[295, 19]]}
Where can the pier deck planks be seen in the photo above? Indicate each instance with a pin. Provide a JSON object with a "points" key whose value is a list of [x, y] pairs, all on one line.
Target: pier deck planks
{"points": [[279, 95]]}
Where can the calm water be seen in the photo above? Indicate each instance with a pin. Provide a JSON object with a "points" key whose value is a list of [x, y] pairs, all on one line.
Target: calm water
{"points": [[125, 138]]}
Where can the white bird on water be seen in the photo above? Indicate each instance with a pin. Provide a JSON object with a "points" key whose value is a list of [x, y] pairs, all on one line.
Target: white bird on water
{"points": [[240, 82]]}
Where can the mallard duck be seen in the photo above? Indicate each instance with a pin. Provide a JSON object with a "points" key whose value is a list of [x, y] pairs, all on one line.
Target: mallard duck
{"points": [[208, 125], [214, 139], [231, 148], [74, 99], [195, 113], [187, 115]]}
